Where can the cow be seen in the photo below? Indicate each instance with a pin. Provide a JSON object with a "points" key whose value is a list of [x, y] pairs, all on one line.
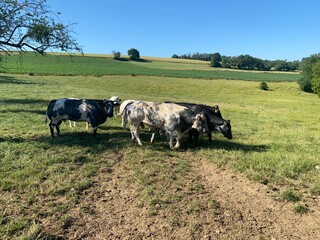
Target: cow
{"points": [[94, 112], [116, 103], [170, 117], [214, 118]]}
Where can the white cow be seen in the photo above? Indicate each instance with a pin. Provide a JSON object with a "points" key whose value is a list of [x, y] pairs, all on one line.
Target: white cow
{"points": [[170, 117]]}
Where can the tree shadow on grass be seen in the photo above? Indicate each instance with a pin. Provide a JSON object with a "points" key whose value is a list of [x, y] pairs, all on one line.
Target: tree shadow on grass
{"points": [[12, 80], [10, 106], [24, 101]]}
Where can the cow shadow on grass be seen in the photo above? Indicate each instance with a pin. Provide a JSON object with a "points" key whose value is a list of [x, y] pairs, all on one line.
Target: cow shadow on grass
{"points": [[107, 138], [235, 146], [116, 138]]}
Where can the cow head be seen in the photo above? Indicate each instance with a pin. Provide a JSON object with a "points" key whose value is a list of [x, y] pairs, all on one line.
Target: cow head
{"points": [[200, 123], [116, 100], [225, 129], [108, 107]]}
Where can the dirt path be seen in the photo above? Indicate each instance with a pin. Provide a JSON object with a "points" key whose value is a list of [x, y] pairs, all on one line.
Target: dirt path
{"points": [[244, 210], [259, 214]]}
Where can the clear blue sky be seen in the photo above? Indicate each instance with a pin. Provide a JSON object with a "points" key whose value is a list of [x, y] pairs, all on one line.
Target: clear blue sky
{"points": [[266, 29]]}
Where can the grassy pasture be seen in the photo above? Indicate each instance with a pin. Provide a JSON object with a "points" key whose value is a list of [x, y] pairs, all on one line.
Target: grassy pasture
{"points": [[276, 139], [104, 65]]}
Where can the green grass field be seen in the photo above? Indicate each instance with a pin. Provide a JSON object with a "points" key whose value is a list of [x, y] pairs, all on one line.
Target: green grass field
{"points": [[276, 135], [104, 65]]}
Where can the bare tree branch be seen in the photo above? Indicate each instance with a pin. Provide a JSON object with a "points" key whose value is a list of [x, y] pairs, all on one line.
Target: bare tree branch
{"points": [[29, 24]]}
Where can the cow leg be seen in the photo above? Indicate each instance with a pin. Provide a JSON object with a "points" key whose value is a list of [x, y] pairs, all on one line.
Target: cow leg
{"points": [[94, 125], [132, 134], [171, 137], [171, 142], [51, 126], [95, 128], [210, 137], [58, 128], [155, 133], [178, 138], [152, 137], [135, 133], [190, 136], [196, 137]]}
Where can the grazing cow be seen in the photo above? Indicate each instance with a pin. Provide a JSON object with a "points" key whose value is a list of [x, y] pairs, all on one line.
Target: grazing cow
{"points": [[214, 120], [170, 117], [94, 112]]}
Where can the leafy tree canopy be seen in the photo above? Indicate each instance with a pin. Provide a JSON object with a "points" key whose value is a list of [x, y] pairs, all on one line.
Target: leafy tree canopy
{"points": [[134, 54], [216, 60], [305, 82], [29, 25], [315, 81]]}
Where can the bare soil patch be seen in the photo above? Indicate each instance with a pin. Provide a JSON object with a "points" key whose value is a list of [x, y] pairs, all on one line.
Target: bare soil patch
{"points": [[227, 206], [259, 214]]}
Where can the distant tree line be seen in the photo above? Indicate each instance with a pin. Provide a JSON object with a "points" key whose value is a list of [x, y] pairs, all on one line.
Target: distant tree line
{"points": [[310, 66], [244, 62]]}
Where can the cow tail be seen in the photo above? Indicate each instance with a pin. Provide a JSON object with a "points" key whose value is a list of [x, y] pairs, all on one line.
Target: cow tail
{"points": [[124, 118], [46, 119], [123, 112]]}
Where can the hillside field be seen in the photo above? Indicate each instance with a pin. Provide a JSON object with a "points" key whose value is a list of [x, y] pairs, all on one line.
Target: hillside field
{"points": [[99, 65], [263, 184]]}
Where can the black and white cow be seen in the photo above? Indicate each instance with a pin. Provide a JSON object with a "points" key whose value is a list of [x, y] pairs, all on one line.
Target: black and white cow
{"points": [[116, 104], [94, 112], [214, 118], [170, 117]]}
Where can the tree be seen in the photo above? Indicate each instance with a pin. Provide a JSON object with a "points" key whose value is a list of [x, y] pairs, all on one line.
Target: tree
{"points": [[305, 82], [216, 60], [116, 55], [30, 25], [315, 81], [134, 54], [264, 86]]}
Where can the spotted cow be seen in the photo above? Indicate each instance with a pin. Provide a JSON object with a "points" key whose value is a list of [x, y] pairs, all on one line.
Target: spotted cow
{"points": [[94, 112], [170, 117]]}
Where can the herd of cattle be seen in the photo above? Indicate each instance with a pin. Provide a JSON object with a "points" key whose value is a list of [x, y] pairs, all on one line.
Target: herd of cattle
{"points": [[171, 118]]}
